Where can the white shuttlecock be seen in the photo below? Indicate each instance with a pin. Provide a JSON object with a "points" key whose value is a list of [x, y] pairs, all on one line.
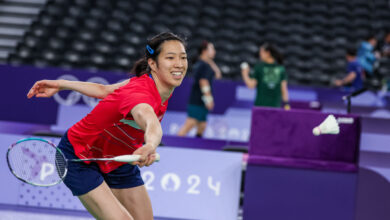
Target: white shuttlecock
{"points": [[328, 126], [244, 65]]}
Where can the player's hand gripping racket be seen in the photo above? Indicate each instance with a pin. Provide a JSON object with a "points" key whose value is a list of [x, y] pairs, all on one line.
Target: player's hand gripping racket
{"points": [[40, 163]]}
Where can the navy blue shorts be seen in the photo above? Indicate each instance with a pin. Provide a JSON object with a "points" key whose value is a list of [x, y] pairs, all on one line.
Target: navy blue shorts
{"points": [[82, 178], [197, 112]]}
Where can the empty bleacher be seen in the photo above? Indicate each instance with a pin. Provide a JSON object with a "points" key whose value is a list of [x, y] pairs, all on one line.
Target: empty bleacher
{"points": [[110, 34]]}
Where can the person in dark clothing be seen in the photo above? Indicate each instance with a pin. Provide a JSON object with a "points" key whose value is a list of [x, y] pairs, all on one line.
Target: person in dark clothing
{"points": [[201, 98]]}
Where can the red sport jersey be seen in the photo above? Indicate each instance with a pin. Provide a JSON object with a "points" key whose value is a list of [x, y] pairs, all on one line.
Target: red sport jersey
{"points": [[109, 129]]}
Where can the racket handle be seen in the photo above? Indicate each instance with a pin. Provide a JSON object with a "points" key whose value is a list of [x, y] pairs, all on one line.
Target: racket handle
{"points": [[132, 158], [126, 158], [157, 157]]}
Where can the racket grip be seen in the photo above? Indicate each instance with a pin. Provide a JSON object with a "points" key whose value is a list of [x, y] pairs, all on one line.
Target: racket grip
{"points": [[127, 158], [132, 158], [157, 157]]}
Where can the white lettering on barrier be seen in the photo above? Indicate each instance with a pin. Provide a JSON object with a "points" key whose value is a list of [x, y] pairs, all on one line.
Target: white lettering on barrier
{"points": [[234, 134], [194, 182], [174, 128], [244, 135], [171, 182], [148, 178], [216, 188], [46, 170], [345, 120]]}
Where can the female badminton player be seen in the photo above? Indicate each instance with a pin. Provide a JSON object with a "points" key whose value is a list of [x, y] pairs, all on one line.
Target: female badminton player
{"points": [[201, 99], [126, 121], [269, 78]]}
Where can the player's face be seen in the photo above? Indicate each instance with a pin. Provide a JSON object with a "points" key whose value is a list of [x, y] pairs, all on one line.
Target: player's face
{"points": [[172, 63], [264, 54], [373, 42], [211, 51]]}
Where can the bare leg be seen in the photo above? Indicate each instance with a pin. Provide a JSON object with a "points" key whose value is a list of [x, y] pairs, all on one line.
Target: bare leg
{"points": [[188, 125], [136, 200], [201, 128], [102, 204]]}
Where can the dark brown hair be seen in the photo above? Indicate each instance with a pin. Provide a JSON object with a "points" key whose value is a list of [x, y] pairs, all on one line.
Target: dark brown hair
{"points": [[274, 52]]}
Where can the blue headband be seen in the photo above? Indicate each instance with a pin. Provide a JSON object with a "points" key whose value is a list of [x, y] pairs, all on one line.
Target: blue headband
{"points": [[150, 50]]}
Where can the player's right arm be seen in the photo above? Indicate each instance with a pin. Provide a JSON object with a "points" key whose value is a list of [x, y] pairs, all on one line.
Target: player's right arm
{"points": [[346, 80], [249, 82], [47, 88], [146, 118]]}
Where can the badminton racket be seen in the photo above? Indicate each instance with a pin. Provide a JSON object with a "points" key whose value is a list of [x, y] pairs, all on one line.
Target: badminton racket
{"points": [[40, 163]]}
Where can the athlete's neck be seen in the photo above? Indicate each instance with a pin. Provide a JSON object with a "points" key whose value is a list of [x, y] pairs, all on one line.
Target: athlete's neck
{"points": [[204, 57], [164, 90], [269, 60]]}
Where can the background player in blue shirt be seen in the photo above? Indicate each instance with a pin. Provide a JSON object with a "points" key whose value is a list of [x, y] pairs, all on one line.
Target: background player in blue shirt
{"points": [[355, 77]]}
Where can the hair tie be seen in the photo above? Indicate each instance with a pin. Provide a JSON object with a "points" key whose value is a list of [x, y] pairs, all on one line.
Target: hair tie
{"points": [[150, 50]]}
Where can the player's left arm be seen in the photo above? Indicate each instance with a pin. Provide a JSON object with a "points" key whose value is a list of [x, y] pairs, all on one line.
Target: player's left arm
{"points": [[285, 97], [146, 118], [284, 89]]}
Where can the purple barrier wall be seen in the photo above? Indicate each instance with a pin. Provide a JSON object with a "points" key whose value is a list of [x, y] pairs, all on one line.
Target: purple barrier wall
{"points": [[279, 193], [20, 79], [285, 138], [373, 194], [281, 144], [15, 105]]}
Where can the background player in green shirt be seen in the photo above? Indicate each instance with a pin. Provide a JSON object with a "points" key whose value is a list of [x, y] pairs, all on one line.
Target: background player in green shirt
{"points": [[269, 78]]}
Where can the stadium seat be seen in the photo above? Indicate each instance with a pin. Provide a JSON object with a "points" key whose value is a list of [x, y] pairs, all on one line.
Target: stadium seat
{"points": [[298, 6], [56, 44], [79, 46], [312, 35]]}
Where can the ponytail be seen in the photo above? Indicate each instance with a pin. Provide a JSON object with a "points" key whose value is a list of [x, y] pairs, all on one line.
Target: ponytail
{"points": [[140, 67], [152, 50]]}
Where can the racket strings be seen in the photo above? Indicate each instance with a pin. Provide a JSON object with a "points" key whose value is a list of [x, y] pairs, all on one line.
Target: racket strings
{"points": [[61, 164], [19, 163], [35, 162]]}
